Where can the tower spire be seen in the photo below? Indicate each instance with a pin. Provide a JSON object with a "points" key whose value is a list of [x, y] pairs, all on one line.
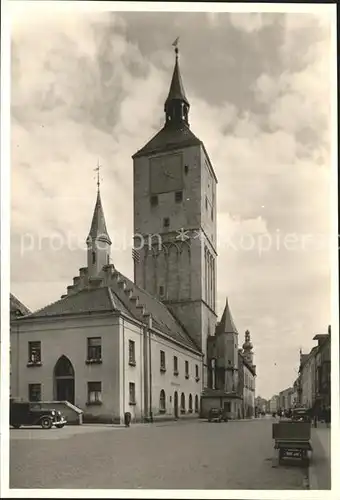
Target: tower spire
{"points": [[176, 106], [98, 241]]}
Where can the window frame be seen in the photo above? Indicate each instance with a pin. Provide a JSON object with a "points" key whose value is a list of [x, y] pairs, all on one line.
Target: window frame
{"points": [[30, 386], [162, 361], [93, 350], [162, 401], [132, 352], [34, 352], [175, 362], [132, 393], [94, 390], [178, 196], [186, 369]]}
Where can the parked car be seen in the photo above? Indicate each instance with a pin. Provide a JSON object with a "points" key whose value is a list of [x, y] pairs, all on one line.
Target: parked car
{"points": [[26, 413], [217, 415]]}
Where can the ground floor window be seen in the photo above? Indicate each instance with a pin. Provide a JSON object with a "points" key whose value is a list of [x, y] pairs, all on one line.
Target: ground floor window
{"points": [[196, 404], [190, 403], [162, 401], [94, 392], [34, 392], [182, 403], [132, 393], [227, 406]]}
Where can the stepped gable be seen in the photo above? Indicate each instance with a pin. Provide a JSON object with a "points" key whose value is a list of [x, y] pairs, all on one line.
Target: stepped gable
{"points": [[162, 318], [17, 307], [85, 301]]}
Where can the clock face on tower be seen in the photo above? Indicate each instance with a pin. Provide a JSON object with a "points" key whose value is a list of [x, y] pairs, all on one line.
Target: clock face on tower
{"points": [[166, 174]]}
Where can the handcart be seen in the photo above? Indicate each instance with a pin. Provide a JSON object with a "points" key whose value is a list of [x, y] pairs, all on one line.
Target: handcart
{"points": [[292, 439]]}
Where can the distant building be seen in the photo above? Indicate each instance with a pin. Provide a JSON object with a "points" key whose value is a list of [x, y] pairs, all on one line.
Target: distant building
{"points": [[314, 382], [286, 399], [274, 404], [261, 404]]}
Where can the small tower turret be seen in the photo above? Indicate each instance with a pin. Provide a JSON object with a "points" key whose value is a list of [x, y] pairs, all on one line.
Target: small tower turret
{"points": [[98, 241], [248, 348]]}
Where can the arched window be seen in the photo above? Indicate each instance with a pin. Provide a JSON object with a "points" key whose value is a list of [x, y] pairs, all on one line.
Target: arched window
{"points": [[162, 401], [190, 403], [182, 403], [196, 404], [93, 257]]}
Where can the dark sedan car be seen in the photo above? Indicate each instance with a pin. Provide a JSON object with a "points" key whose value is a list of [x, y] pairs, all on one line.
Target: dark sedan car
{"points": [[26, 413], [217, 415]]}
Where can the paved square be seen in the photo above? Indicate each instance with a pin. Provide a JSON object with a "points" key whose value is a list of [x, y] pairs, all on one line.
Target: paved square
{"points": [[174, 455]]}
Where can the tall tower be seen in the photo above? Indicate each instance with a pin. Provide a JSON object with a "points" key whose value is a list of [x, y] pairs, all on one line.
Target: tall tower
{"points": [[227, 352], [98, 241], [175, 219]]}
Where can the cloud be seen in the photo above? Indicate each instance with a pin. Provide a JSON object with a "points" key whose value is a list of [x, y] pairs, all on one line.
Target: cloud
{"points": [[251, 22], [94, 90]]}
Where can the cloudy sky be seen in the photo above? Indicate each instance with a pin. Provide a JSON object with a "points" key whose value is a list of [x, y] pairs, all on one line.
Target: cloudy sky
{"points": [[91, 86]]}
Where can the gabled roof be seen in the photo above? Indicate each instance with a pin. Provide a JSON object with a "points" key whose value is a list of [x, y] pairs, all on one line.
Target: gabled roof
{"points": [[17, 306], [84, 301], [162, 318], [108, 298], [169, 138], [226, 325], [98, 228]]}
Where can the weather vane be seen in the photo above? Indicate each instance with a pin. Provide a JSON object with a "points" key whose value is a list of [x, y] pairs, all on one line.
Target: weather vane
{"points": [[97, 169], [175, 44]]}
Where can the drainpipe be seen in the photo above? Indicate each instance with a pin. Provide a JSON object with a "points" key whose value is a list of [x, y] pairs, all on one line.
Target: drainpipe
{"points": [[150, 367], [145, 366]]}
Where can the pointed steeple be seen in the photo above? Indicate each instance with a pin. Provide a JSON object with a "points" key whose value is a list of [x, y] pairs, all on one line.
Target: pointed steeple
{"points": [[226, 325], [98, 230], [176, 106], [98, 241]]}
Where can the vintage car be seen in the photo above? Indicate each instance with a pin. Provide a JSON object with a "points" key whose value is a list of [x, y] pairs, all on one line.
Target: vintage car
{"points": [[301, 415], [217, 415], [28, 413]]}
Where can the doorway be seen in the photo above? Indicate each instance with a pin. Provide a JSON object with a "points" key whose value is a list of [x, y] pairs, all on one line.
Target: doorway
{"points": [[64, 380], [176, 404]]}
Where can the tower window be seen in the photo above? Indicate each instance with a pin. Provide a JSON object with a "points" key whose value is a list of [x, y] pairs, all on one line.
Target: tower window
{"points": [[212, 213], [166, 222], [179, 196], [206, 202], [186, 169], [161, 291], [93, 257], [154, 200]]}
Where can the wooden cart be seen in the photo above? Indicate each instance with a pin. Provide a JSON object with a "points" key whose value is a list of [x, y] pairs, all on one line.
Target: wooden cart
{"points": [[292, 439]]}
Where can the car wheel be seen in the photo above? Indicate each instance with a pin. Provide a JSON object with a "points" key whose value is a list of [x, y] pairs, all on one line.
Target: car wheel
{"points": [[46, 423], [60, 426], [16, 426]]}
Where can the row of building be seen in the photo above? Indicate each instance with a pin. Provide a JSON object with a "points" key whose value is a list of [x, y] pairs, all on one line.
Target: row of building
{"points": [[153, 346], [312, 387]]}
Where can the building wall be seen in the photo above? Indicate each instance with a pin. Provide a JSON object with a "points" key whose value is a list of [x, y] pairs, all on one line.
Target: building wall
{"points": [[68, 337], [248, 393], [171, 383], [308, 382]]}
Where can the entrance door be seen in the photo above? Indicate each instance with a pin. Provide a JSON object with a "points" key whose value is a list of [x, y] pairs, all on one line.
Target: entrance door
{"points": [[64, 380], [176, 404], [65, 389]]}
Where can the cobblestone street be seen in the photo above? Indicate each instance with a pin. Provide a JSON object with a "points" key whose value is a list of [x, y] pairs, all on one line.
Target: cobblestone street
{"points": [[173, 455]]}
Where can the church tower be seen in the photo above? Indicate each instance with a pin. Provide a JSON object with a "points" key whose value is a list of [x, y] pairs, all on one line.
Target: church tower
{"points": [[175, 219], [98, 241]]}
